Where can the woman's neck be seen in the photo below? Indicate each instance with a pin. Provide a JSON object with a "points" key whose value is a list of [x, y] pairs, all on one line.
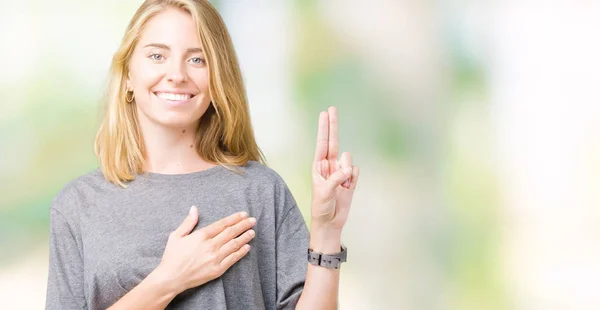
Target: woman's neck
{"points": [[171, 150]]}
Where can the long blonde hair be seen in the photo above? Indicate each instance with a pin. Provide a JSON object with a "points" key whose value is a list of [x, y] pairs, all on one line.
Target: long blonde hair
{"points": [[225, 134]]}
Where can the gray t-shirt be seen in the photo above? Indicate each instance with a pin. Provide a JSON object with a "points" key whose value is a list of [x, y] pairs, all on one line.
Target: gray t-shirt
{"points": [[104, 239]]}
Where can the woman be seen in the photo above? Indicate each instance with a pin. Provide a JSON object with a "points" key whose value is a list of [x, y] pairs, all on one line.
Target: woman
{"points": [[177, 134]]}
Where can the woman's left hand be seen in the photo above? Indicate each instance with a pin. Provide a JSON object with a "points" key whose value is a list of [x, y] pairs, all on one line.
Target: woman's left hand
{"points": [[333, 180]]}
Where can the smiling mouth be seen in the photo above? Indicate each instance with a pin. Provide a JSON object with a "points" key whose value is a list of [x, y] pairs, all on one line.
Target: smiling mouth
{"points": [[174, 97]]}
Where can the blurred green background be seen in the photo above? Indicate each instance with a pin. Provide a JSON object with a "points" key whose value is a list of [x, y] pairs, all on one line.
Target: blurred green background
{"points": [[475, 124]]}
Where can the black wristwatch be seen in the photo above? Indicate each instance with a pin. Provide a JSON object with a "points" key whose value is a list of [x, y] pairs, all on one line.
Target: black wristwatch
{"points": [[328, 260]]}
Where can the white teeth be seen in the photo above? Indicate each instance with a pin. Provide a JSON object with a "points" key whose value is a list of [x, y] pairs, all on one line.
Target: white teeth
{"points": [[173, 97]]}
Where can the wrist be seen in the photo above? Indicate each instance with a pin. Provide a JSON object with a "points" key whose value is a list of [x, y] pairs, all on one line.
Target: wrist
{"points": [[162, 279], [324, 230], [325, 240]]}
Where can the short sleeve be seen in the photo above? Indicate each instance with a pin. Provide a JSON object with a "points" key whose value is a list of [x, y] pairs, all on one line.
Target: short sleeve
{"points": [[292, 244], [65, 274]]}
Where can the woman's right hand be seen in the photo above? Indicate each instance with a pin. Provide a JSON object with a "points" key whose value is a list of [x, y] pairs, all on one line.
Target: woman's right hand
{"points": [[191, 260]]}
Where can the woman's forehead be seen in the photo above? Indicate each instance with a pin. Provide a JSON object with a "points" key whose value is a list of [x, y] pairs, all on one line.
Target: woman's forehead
{"points": [[173, 28]]}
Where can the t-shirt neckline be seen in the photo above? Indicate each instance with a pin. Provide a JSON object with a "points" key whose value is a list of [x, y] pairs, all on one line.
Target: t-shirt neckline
{"points": [[181, 176]]}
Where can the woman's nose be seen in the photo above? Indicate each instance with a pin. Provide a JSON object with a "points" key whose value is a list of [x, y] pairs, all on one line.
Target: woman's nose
{"points": [[176, 74]]}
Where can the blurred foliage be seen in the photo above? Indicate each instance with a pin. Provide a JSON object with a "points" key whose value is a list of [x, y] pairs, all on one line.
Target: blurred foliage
{"points": [[55, 131], [465, 244], [327, 73]]}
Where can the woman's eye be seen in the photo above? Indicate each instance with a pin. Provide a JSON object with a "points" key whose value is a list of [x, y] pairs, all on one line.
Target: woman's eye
{"points": [[197, 60], [156, 56]]}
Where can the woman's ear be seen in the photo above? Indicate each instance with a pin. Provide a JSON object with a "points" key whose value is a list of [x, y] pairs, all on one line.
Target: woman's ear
{"points": [[128, 81]]}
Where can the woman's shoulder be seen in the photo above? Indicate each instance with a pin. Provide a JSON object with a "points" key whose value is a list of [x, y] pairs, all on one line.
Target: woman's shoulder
{"points": [[257, 171], [77, 191], [265, 184]]}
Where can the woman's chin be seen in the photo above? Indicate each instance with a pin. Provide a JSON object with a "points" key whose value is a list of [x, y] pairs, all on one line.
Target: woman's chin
{"points": [[176, 122], [168, 119]]}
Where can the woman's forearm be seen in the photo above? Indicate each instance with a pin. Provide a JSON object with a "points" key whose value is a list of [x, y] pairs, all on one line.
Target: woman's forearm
{"points": [[322, 284], [154, 292]]}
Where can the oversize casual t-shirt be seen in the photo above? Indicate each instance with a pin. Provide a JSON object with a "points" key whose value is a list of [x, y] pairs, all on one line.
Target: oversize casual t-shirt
{"points": [[105, 239]]}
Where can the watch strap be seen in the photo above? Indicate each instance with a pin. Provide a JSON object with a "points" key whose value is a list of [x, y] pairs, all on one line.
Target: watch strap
{"points": [[333, 261]]}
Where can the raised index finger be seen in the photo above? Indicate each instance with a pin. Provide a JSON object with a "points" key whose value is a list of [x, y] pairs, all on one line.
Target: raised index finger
{"points": [[332, 152], [217, 227], [322, 137]]}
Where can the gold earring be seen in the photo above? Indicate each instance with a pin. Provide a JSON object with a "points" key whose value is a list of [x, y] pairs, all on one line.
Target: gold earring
{"points": [[129, 100]]}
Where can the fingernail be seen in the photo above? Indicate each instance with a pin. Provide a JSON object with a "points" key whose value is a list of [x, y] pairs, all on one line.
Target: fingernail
{"points": [[252, 232], [347, 170], [191, 209], [243, 215], [252, 220]]}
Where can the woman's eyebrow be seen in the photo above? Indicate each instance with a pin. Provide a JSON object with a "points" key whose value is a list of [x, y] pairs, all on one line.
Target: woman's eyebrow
{"points": [[166, 47]]}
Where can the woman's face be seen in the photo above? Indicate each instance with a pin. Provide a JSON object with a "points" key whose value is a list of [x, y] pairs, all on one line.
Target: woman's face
{"points": [[168, 73]]}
